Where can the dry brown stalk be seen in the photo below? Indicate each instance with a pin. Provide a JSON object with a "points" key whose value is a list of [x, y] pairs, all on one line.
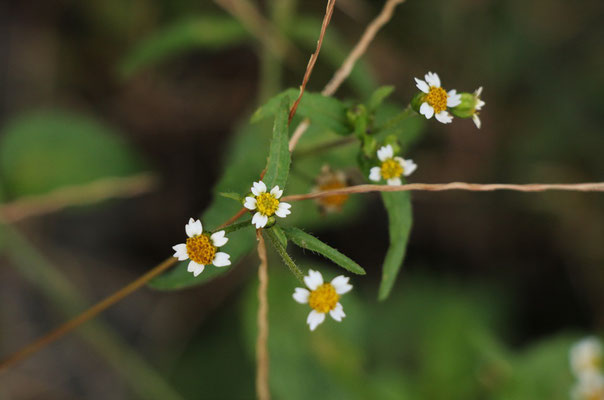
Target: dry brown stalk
{"points": [[89, 193], [313, 58], [346, 68], [438, 187], [262, 360]]}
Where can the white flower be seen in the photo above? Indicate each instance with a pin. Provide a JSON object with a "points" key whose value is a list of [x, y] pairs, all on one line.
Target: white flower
{"points": [[477, 107], [589, 387], [436, 100], [586, 356], [202, 248], [322, 297], [266, 204], [391, 168]]}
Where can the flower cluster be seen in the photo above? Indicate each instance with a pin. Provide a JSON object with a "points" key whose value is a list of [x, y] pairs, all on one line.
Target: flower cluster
{"points": [[586, 361]]}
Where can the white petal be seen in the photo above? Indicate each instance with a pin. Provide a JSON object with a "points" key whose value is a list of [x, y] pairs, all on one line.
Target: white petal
{"points": [[277, 192], [283, 210], [409, 167], [315, 319], [258, 188], [250, 203], [421, 85], [375, 174], [479, 105], [453, 98], [427, 110], [476, 120], [385, 153], [218, 239], [444, 117], [193, 228], [180, 252], [337, 313], [259, 220], [221, 259], [313, 280], [340, 283], [395, 182], [432, 79], [301, 295], [195, 268], [478, 92]]}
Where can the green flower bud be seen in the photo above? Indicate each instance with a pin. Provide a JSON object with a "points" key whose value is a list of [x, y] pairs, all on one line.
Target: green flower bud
{"points": [[470, 104], [417, 101]]}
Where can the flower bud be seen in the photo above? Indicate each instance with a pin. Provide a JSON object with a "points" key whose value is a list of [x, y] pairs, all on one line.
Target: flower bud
{"points": [[469, 106]]}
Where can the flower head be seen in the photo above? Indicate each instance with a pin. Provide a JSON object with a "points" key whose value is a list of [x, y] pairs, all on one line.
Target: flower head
{"points": [[589, 387], [202, 248], [586, 356], [478, 104], [330, 180], [322, 297], [436, 100], [391, 168], [266, 204]]}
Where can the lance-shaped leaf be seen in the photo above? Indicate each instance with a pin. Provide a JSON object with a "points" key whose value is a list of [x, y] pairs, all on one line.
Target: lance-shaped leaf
{"points": [[398, 206], [309, 242], [279, 159], [378, 96]]}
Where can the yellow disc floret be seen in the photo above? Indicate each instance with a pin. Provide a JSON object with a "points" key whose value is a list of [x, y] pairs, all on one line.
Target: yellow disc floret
{"points": [[267, 204], [437, 98], [391, 169], [324, 298], [337, 200], [200, 249]]}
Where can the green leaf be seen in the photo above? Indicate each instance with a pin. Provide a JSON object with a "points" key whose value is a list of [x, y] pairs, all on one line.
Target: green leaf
{"points": [[309, 242], [280, 236], [378, 97], [398, 206], [45, 150], [231, 195], [208, 32], [327, 112], [279, 158]]}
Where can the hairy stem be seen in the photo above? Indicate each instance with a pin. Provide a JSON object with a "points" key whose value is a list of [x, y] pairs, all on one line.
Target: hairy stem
{"points": [[262, 360]]}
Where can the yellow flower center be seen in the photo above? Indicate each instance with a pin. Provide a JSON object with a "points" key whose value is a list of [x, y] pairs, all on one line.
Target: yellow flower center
{"points": [[200, 249], [391, 169], [267, 204], [324, 298], [337, 200], [437, 98]]}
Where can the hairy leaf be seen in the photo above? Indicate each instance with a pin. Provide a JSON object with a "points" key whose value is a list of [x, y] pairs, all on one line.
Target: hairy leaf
{"points": [[398, 206], [279, 157], [309, 242]]}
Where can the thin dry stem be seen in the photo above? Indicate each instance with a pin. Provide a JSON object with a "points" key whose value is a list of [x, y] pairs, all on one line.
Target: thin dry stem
{"points": [[262, 361], [67, 196], [346, 68], [438, 187], [313, 58]]}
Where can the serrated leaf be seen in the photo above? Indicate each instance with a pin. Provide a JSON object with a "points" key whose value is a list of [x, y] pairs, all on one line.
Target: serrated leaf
{"points": [[208, 32], [328, 112], [45, 150], [279, 159], [398, 206], [309, 242], [378, 97]]}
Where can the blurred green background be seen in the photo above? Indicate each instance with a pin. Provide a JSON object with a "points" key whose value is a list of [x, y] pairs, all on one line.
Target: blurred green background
{"points": [[495, 288]]}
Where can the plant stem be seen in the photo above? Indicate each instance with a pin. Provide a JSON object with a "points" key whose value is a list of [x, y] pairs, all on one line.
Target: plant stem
{"points": [[262, 359], [284, 256], [235, 227]]}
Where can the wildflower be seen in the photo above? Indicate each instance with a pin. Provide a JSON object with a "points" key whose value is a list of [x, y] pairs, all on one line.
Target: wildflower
{"points": [[436, 100], [330, 180], [590, 387], [322, 297], [202, 248], [392, 168], [477, 107], [586, 356], [266, 204], [469, 107]]}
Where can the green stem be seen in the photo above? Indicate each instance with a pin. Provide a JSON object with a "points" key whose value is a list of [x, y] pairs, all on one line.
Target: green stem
{"points": [[284, 256], [236, 226]]}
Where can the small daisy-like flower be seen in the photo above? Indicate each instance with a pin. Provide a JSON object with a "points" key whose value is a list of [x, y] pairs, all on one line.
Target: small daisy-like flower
{"points": [[392, 168], [266, 204], [436, 100], [479, 104], [322, 297], [331, 180], [590, 387], [586, 356], [202, 248]]}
